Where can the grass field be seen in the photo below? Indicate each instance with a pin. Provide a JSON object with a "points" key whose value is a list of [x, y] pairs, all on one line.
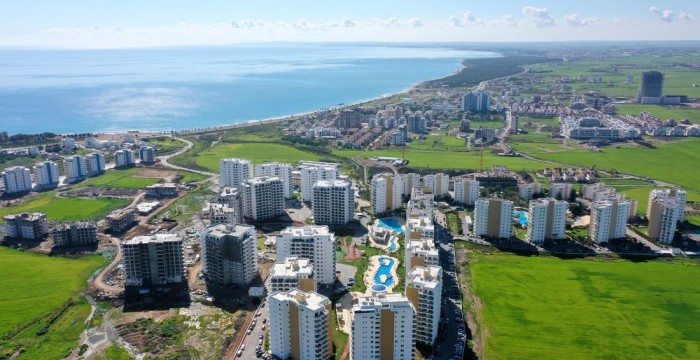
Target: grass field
{"points": [[66, 209], [119, 179], [548, 308], [661, 112], [166, 145]]}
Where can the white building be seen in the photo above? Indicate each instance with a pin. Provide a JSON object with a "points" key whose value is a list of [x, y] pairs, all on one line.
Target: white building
{"points": [[300, 325], [546, 220], [280, 170], [235, 171], [46, 174], [409, 181], [75, 168], [311, 173], [527, 191], [385, 193], [424, 291], [147, 154], [315, 243], [333, 202], [30, 226], [493, 218], [95, 164], [421, 253], [229, 253], [439, 183], [663, 218], [608, 220], [466, 191], [293, 273], [383, 327], [222, 214], [679, 195], [124, 158], [154, 260], [17, 179], [263, 198], [68, 143], [561, 191]]}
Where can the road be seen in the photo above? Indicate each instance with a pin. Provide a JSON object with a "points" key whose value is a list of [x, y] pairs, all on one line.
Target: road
{"points": [[99, 281], [250, 341], [642, 240], [164, 159]]}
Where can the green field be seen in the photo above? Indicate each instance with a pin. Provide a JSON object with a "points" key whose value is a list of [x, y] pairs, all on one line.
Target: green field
{"points": [[59, 208], [165, 145], [548, 308], [661, 112], [119, 179]]}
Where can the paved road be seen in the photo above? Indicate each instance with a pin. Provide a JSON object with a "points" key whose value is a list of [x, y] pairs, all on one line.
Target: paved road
{"points": [[164, 159], [251, 340], [641, 239]]}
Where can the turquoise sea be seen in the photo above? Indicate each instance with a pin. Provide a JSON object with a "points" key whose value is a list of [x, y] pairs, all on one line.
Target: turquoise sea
{"points": [[76, 91]]}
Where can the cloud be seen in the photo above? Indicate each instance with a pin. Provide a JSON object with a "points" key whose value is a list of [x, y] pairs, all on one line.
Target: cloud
{"points": [[540, 16], [575, 20], [346, 22], [466, 19], [507, 20], [245, 24], [394, 22], [415, 22], [685, 16], [665, 15]]}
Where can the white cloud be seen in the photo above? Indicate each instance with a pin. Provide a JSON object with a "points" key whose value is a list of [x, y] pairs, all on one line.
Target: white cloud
{"points": [[665, 15], [575, 20], [507, 20], [685, 16], [245, 24], [466, 19], [416, 22], [540, 16]]}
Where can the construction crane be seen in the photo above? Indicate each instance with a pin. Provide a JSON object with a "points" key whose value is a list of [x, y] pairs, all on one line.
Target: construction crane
{"points": [[481, 157]]}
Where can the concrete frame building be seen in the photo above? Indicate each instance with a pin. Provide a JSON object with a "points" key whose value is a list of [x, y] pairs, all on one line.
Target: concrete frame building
{"points": [[124, 158], [438, 183], [385, 193], [333, 202], [121, 219], [234, 172], [233, 197], [229, 254], [466, 191], [147, 154], [46, 174], [280, 170], [263, 198], [30, 226], [293, 273], [222, 214], [608, 220], [75, 234], [476, 102], [311, 173], [663, 219], [493, 218], [162, 190], [17, 179], [546, 220], [424, 291], [301, 325], [94, 164], [680, 196], [651, 85], [311, 242], [75, 168], [155, 260]]}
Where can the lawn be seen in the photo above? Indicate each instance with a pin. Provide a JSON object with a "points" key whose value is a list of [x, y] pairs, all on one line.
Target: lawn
{"points": [[119, 179], [661, 112], [58, 208], [165, 145], [548, 308]]}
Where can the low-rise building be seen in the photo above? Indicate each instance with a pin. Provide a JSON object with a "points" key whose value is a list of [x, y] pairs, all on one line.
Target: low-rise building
{"points": [[293, 273], [75, 234], [120, 220], [30, 226], [162, 190]]}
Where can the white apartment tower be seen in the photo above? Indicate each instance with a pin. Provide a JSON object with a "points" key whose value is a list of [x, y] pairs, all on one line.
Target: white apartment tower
{"points": [[17, 179], [561, 191], [315, 243], [147, 154], [300, 325], [424, 291], [235, 171], [493, 218], [154, 260], [679, 195], [280, 170], [75, 168], [333, 202], [421, 253], [229, 253], [95, 164], [663, 217], [46, 174], [466, 191], [293, 273], [124, 158], [385, 193], [608, 220], [527, 191], [263, 198], [312, 173], [546, 220], [439, 183], [409, 181]]}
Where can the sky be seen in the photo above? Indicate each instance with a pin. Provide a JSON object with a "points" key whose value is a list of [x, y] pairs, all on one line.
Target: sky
{"points": [[150, 23]]}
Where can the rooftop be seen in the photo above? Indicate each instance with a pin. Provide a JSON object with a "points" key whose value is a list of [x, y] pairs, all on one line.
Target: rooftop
{"points": [[308, 230], [292, 267], [310, 300], [151, 239], [227, 229], [425, 276]]}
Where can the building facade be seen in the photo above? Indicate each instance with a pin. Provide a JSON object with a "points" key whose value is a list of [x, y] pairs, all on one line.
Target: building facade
{"points": [[311, 173], [17, 179], [94, 164], [560, 191], [229, 254], [385, 193], [147, 154], [120, 220], [476, 102], [46, 174], [466, 191], [154, 260], [438, 183], [280, 170], [680, 196], [663, 219], [333, 202], [546, 220], [301, 325], [311, 242], [30, 226], [75, 234], [293, 273], [493, 218], [75, 168], [234, 172], [263, 198], [608, 220], [424, 291]]}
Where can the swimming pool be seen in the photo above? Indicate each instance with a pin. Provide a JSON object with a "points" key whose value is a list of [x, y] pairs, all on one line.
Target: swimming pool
{"points": [[383, 274], [391, 224], [522, 217], [393, 244]]}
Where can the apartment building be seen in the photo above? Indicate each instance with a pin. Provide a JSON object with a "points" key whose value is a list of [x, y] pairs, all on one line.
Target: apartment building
{"points": [[263, 198], [466, 191], [438, 183], [560, 191], [311, 242], [385, 193], [234, 172], [311, 173], [424, 291], [608, 220], [293, 273], [147, 154], [527, 191], [680, 197], [17, 179], [409, 182], [68, 143], [30, 226], [75, 234], [222, 214], [546, 220], [421, 253], [94, 164], [663, 216], [233, 197], [229, 254], [154, 260], [493, 218], [46, 174], [162, 190], [75, 168], [333, 202], [280, 170], [124, 158], [121, 219], [301, 325]]}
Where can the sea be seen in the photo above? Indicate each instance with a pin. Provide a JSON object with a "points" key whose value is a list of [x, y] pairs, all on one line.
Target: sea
{"points": [[81, 91]]}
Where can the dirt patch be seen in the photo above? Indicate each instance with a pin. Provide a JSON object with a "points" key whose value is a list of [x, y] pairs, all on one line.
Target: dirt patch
{"points": [[167, 175]]}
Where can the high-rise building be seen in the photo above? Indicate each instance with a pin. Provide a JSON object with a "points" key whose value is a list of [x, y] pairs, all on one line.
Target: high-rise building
{"points": [[229, 253], [493, 218], [263, 197], [546, 220], [313, 173], [527, 191], [222, 214], [663, 218], [466, 191], [154, 260], [75, 234], [280, 170], [419, 217], [651, 86], [17, 179], [293, 273], [233, 197], [679, 195], [385, 193], [95, 164], [75, 168], [608, 220], [383, 327], [46, 174], [439, 183], [560, 191], [409, 182], [301, 325], [333, 202], [147, 154], [311, 242], [124, 158], [30, 226], [476, 102], [421, 253], [235, 171], [424, 291]]}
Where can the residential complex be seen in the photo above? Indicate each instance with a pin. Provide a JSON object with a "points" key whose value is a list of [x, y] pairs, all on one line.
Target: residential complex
{"points": [[293, 273], [528, 191], [385, 193], [424, 291], [438, 184], [46, 174], [232, 197], [94, 164], [560, 191], [333, 202], [311, 173], [154, 260], [679, 196], [75, 168], [235, 171], [546, 220], [663, 217], [30, 226], [222, 214], [493, 218], [409, 182], [312, 242], [147, 154], [280, 170], [124, 158], [476, 102], [120, 220], [466, 191], [263, 198], [421, 253], [75, 234], [229, 254], [301, 325], [608, 220], [17, 179]]}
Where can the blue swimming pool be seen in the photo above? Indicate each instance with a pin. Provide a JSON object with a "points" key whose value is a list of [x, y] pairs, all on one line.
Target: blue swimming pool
{"points": [[393, 243], [391, 224], [522, 217], [385, 265]]}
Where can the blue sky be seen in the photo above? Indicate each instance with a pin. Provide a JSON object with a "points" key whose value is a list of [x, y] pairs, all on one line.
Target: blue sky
{"points": [[130, 23]]}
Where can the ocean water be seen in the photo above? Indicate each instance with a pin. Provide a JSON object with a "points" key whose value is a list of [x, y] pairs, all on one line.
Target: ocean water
{"points": [[76, 91]]}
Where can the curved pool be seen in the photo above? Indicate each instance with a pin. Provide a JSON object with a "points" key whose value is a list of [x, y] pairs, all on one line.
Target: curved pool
{"points": [[393, 243], [522, 217], [391, 224], [383, 274]]}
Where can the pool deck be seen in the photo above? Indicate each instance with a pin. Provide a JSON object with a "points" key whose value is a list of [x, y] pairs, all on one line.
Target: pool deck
{"points": [[368, 276], [374, 244]]}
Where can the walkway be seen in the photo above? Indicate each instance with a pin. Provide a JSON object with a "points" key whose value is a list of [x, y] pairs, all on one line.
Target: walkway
{"points": [[164, 159]]}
